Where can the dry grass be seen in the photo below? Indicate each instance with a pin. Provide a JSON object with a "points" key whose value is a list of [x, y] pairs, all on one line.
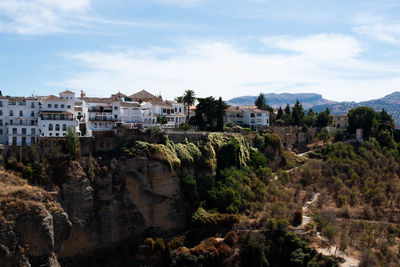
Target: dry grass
{"points": [[17, 198]]}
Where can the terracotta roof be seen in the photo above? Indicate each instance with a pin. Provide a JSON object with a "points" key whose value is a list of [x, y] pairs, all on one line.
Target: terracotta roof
{"points": [[130, 104], [98, 100], [144, 95], [233, 109], [53, 98], [78, 109], [118, 95], [255, 110], [67, 92], [17, 98], [160, 103]]}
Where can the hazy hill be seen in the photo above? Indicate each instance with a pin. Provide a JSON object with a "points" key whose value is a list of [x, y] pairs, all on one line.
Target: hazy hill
{"points": [[277, 100], [391, 103]]}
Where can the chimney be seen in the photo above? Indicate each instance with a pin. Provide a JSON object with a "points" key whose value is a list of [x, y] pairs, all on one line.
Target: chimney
{"points": [[83, 95]]}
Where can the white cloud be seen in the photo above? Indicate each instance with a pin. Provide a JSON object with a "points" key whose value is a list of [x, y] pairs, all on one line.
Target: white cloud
{"points": [[220, 68], [321, 46], [40, 16], [379, 28]]}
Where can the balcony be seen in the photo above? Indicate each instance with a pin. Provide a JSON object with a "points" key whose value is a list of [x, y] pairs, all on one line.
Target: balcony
{"points": [[57, 117], [22, 123], [102, 118]]}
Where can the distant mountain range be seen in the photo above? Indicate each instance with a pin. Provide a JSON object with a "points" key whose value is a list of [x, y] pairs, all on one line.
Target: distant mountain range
{"points": [[391, 103], [280, 100]]}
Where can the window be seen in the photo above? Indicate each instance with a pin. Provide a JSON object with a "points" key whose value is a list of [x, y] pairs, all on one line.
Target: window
{"points": [[115, 108], [23, 130], [50, 134], [69, 106], [11, 113], [1, 122], [252, 115], [176, 109], [33, 105], [14, 130], [55, 105], [64, 128], [57, 134], [49, 105], [57, 127], [62, 106], [33, 140], [32, 114], [14, 141], [21, 113], [33, 131], [24, 141], [50, 127], [1, 103], [259, 114], [95, 125], [1, 112]]}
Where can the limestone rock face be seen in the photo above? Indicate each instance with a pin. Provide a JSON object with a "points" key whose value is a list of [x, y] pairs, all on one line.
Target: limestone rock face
{"points": [[126, 198], [32, 225]]}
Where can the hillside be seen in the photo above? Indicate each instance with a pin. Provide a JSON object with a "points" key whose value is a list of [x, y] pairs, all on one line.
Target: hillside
{"points": [[391, 103], [277, 100]]}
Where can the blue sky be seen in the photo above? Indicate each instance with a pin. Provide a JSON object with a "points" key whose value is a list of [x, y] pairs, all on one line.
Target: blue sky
{"points": [[344, 50]]}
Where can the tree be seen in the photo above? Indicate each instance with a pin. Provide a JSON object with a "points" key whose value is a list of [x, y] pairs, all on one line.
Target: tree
{"points": [[287, 110], [280, 113], [179, 99], [189, 99], [207, 111], [220, 115], [162, 119], [310, 119], [324, 118], [260, 102], [297, 113], [324, 135], [72, 142], [362, 118]]}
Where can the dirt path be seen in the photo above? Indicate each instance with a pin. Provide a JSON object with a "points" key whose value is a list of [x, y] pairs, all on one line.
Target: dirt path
{"points": [[330, 251]]}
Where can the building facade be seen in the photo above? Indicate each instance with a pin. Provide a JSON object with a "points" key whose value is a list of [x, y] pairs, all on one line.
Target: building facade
{"points": [[23, 120], [247, 116]]}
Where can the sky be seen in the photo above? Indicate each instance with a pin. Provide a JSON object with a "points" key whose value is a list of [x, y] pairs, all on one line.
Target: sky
{"points": [[344, 50]]}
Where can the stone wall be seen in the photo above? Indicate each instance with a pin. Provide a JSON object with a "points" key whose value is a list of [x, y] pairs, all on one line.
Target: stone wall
{"points": [[294, 138]]}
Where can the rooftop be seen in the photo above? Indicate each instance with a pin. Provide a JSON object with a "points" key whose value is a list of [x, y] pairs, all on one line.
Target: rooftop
{"points": [[144, 95], [67, 92]]}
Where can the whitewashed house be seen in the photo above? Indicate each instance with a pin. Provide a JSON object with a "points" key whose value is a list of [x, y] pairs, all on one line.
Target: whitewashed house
{"points": [[56, 116], [247, 116]]}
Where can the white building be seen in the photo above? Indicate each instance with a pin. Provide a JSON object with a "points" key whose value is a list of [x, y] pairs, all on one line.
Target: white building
{"points": [[247, 116], [18, 120], [57, 115], [24, 119]]}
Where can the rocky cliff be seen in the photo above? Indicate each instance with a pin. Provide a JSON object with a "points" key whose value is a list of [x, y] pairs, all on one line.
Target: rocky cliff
{"points": [[100, 205]]}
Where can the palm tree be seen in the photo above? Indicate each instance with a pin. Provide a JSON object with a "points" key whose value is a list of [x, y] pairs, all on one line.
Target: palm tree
{"points": [[189, 99], [179, 99]]}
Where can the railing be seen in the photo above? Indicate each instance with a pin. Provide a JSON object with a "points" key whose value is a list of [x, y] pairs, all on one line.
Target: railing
{"points": [[102, 119]]}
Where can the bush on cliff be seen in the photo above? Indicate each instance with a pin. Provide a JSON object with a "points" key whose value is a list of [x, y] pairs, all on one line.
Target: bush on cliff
{"points": [[202, 218]]}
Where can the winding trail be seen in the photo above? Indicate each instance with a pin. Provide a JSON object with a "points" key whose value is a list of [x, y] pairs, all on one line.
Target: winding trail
{"points": [[330, 251]]}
